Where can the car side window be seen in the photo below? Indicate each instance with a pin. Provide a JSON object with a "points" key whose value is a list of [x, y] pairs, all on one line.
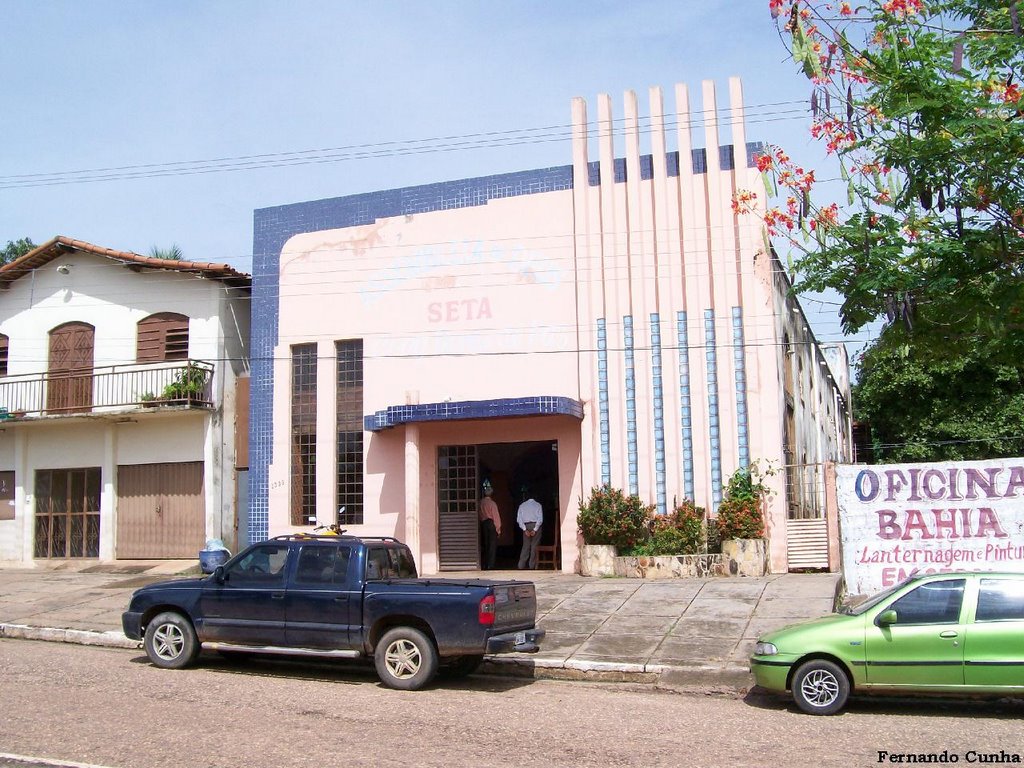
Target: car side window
{"points": [[378, 564], [402, 564], [1000, 600], [322, 565], [263, 564], [937, 602]]}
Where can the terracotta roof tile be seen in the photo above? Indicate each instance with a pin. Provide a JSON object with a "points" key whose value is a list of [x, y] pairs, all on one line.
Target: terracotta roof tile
{"points": [[62, 246]]}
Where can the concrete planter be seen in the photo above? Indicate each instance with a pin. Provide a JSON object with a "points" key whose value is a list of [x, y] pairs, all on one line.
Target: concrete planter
{"points": [[669, 566], [597, 559], [745, 557]]}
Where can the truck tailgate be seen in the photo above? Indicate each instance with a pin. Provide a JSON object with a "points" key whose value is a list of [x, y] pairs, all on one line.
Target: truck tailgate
{"points": [[515, 605]]}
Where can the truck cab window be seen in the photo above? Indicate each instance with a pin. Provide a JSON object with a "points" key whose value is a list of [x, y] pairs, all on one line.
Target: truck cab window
{"points": [[322, 565]]}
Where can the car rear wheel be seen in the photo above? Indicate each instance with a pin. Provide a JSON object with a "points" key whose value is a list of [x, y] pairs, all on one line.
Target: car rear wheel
{"points": [[820, 687], [171, 641], [462, 666], [406, 659]]}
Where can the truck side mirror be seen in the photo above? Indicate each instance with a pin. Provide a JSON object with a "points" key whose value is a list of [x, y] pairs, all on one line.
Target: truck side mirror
{"points": [[218, 574]]}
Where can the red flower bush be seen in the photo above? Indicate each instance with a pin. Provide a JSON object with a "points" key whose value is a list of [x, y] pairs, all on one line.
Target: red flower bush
{"points": [[611, 517]]}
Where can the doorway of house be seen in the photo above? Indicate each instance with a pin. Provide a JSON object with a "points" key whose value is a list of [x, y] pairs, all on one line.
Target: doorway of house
{"points": [[509, 467]]}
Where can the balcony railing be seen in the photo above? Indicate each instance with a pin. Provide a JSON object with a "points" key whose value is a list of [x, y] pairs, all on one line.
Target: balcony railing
{"points": [[107, 388]]}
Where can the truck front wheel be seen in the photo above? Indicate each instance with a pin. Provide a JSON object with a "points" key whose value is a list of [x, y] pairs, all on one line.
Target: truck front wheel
{"points": [[171, 641], [406, 659]]}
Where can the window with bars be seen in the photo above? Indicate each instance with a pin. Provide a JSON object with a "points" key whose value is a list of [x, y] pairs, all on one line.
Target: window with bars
{"points": [[163, 336], [303, 474], [3, 354], [350, 431]]}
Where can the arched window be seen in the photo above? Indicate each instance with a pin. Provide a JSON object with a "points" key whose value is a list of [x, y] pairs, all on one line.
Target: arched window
{"points": [[3, 355], [163, 336]]}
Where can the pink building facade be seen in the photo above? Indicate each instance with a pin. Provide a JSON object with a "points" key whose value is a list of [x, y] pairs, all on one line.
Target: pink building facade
{"points": [[608, 321]]}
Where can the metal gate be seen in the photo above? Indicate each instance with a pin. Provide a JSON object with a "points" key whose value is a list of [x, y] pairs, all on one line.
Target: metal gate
{"points": [[67, 514], [458, 529], [161, 511], [806, 524]]}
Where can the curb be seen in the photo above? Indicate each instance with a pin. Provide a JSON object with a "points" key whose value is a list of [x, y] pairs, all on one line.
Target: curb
{"points": [[110, 639], [726, 677]]}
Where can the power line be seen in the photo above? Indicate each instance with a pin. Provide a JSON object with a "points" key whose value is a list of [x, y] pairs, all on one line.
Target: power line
{"points": [[491, 140]]}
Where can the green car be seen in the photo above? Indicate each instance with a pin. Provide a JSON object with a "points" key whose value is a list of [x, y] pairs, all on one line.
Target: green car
{"points": [[939, 633]]}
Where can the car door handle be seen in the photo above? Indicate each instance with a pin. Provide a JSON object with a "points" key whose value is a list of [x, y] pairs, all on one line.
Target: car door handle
{"points": [[277, 595], [948, 633], [341, 599]]}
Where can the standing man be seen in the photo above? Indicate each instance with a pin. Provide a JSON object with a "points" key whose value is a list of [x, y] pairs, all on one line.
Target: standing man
{"points": [[490, 526], [530, 517]]}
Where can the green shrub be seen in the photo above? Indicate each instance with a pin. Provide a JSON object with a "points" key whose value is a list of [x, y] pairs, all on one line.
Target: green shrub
{"points": [[611, 517], [741, 513], [681, 532]]}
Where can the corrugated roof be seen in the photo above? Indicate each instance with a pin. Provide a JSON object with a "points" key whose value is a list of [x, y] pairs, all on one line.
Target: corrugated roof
{"points": [[62, 246]]}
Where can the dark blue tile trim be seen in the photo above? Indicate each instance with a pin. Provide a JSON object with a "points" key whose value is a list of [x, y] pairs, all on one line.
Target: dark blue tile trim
{"points": [[698, 161], [541, 405]]}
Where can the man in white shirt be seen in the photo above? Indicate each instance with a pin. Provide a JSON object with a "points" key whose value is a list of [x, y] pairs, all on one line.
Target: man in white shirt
{"points": [[530, 518]]}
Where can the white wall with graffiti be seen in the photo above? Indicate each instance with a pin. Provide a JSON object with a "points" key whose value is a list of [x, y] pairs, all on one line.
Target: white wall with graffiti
{"points": [[950, 516]]}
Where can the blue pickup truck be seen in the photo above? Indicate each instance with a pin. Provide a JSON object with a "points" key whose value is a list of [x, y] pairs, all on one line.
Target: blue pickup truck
{"points": [[336, 596]]}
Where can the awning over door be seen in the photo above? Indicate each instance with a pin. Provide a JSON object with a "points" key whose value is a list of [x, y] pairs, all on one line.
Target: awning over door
{"points": [[537, 405]]}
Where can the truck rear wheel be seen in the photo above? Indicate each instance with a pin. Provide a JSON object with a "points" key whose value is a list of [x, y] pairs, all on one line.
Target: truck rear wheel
{"points": [[406, 659]]}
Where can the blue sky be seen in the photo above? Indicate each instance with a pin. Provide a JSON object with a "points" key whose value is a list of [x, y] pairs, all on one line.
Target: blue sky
{"points": [[143, 85]]}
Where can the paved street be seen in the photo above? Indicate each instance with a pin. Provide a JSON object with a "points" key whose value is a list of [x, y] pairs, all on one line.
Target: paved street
{"points": [[110, 707]]}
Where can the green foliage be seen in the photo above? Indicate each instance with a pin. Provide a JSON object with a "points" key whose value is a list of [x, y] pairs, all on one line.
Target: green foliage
{"points": [[928, 408], [15, 249], [611, 517], [681, 532], [741, 512], [921, 101], [188, 385], [174, 253]]}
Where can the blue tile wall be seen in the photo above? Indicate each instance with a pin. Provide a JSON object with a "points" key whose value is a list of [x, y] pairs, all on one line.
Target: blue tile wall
{"points": [[714, 428], [631, 442], [682, 339], [602, 400], [539, 405], [658, 399], [739, 364]]}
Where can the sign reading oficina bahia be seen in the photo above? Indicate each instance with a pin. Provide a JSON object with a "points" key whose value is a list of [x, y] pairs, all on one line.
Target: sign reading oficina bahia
{"points": [[956, 516]]}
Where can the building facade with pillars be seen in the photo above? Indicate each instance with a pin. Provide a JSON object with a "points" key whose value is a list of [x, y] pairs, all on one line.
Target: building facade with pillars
{"points": [[607, 321]]}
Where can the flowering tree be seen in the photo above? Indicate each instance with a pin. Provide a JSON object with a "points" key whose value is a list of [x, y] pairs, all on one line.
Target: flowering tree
{"points": [[921, 103]]}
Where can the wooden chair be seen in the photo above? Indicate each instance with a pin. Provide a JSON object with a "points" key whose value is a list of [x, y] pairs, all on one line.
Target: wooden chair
{"points": [[550, 555]]}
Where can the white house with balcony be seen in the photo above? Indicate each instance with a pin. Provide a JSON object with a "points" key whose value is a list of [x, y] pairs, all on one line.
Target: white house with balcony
{"points": [[120, 377]]}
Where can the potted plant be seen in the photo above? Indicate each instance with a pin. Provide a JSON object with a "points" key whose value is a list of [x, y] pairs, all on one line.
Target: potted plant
{"points": [[187, 386], [607, 520], [148, 399], [740, 522]]}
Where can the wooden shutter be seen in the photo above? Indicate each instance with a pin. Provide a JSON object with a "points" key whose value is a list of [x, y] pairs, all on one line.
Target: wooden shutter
{"points": [[3, 355], [163, 336]]}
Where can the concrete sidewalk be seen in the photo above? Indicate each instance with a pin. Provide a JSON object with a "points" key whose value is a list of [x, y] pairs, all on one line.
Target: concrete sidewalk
{"points": [[676, 633]]}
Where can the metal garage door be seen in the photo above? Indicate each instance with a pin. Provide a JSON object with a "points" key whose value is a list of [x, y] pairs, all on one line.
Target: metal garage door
{"points": [[161, 511]]}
